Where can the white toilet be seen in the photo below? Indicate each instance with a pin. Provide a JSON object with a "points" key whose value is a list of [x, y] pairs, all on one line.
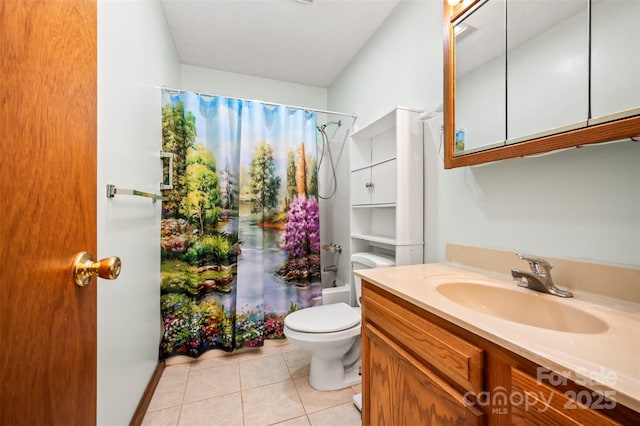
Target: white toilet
{"points": [[332, 333]]}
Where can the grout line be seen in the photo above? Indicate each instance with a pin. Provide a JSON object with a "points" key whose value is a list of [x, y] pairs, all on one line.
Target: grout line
{"points": [[300, 396], [184, 393], [241, 391], [290, 418], [269, 384], [179, 415], [242, 404]]}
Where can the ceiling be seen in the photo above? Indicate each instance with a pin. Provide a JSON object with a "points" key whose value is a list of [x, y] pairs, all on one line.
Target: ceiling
{"points": [[286, 40]]}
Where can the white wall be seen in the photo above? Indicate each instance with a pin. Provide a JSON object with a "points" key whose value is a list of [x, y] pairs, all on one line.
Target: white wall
{"points": [[215, 82], [135, 56], [580, 204], [400, 65]]}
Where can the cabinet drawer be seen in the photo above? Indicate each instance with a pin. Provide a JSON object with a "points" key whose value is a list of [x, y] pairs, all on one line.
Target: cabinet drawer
{"points": [[535, 403], [456, 358]]}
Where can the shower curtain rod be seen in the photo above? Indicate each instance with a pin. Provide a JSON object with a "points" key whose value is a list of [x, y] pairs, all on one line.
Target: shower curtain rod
{"points": [[321, 111]]}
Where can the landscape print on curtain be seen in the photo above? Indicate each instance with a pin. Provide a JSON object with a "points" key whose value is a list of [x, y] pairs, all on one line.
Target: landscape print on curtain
{"points": [[240, 236]]}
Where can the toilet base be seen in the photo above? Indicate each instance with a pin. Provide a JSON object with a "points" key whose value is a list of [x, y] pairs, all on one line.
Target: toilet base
{"points": [[327, 375]]}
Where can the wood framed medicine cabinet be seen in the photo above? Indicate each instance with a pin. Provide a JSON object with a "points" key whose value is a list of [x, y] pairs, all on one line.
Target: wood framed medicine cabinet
{"points": [[593, 129]]}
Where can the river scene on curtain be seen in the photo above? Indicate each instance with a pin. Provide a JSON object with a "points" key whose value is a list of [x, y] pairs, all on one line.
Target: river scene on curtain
{"points": [[240, 231]]}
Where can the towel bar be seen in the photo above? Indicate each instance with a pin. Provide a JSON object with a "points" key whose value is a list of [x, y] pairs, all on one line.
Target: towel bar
{"points": [[112, 191]]}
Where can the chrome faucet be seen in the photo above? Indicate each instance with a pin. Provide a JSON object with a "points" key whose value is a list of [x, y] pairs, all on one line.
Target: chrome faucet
{"points": [[540, 277]]}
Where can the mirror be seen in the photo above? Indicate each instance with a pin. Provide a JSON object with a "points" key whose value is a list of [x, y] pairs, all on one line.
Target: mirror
{"points": [[544, 99], [547, 67], [615, 65], [480, 78]]}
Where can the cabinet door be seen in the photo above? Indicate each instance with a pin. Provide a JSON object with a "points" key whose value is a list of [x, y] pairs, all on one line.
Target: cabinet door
{"points": [[360, 187], [615, 60], [547, 67], [383, 177], [480, 64], [399, 390]]}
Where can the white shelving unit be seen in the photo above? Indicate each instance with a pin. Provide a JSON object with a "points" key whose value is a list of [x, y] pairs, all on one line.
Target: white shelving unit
{"points": [[387, 186]]}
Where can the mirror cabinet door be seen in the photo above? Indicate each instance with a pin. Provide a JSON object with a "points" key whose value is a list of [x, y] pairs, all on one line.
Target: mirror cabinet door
{"points": [[533, 76], [547, 67], [615, 59], [480, 91]]}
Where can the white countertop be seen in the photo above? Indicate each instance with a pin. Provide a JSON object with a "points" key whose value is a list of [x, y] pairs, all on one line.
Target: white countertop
{"points": [[606, 362]]}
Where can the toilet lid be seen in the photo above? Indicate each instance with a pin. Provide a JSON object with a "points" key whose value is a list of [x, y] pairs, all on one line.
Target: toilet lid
{"points": [[324, 319]]}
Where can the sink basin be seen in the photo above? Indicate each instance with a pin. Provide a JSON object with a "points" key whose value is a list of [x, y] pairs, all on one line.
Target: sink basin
{"points": [[534, 309]]}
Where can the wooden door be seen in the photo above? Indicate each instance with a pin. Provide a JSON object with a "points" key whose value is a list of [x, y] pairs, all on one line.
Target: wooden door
{"points": [[47, 211]]}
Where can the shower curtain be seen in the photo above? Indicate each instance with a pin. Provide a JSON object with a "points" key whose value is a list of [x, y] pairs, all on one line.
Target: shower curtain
{"points": [[240, 236]]}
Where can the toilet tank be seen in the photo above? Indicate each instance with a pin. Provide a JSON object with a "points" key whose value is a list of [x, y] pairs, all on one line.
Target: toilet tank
{"points": [[367, 260]]}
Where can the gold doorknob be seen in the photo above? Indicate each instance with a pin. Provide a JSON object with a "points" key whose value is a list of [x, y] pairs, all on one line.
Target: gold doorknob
{"points": [[84, 268]]}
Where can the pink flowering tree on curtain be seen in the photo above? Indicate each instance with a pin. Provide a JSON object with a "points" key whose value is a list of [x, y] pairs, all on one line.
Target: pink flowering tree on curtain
{"points": [[302, 230], [302, 241], [302, 227]]}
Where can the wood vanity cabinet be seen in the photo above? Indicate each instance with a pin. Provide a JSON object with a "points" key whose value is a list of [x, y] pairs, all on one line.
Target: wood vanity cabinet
{"points": [[418, 369]]}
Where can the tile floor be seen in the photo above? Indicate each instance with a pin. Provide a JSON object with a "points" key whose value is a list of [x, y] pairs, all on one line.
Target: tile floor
{"points": [[264, 386]]}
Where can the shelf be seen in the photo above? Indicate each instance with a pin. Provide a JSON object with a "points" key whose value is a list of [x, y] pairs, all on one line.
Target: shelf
{"points": [[373, 206], [386, 122], [375, 238], [386, 240], [377, 163]]}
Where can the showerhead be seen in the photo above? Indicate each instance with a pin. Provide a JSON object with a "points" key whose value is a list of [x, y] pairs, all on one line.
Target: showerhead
{"points": [[328, 123]]}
